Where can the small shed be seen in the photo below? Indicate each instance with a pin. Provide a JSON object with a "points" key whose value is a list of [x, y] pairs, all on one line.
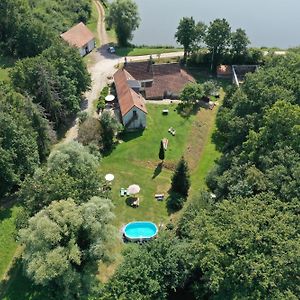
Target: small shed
{"points": [[80, 37]]}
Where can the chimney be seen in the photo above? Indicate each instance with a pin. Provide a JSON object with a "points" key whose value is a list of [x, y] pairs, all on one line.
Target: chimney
{"points": [[150, 62]]}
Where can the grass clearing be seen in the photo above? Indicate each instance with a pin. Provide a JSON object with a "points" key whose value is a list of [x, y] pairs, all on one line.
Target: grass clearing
{"points": [[137, 51], [135, 160], [8, 244], [93, 23], [6, 63]]}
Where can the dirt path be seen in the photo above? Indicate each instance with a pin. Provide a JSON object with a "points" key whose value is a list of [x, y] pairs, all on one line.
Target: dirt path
{"points": [[102, 35]]}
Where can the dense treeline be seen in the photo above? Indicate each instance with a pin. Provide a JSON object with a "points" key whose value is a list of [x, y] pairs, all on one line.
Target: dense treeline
{"points": [[215, 43], [25, 137], [51, 78], [245, 243], [258, 132], [27, 27], [55, 79], [71, 171]]}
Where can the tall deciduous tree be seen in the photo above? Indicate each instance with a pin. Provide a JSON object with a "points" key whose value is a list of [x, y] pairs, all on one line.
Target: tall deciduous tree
{"points": [[24, 138], [55, 79], [186, 34], [63, 244], [71, 172], [191, 93], [124, 17], [247, 249], [239, 43], [110, 127], [217, 38], [151, 271]]}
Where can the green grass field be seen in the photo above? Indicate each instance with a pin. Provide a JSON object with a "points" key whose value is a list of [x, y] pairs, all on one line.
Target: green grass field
{"points": [[92, 23], [5, 64], [8, 244], [136, 51], [136, 160]]}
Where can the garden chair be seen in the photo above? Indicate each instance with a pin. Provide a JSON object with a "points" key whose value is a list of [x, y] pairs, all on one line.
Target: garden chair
{"points": [[123, 192]]}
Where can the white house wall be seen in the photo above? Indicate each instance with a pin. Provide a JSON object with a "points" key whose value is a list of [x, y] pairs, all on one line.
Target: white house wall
{"points": [[90, 45], [138, 123]]}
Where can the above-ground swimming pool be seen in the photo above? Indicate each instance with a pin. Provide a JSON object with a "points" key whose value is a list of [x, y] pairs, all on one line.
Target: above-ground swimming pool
{"points": [[140, 231]]}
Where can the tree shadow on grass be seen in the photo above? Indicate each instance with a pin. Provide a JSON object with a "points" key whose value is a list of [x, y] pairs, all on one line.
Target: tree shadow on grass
{"points": [[174, 202], [129, 200], [5, 213], [127, 136], [17, 286], [157, 170], [187, 111]]}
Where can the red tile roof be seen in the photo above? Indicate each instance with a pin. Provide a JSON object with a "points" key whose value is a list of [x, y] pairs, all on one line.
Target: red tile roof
{"points": [[78, 36], [127, 97], [224, 70], [167, 78], [140, 70]]}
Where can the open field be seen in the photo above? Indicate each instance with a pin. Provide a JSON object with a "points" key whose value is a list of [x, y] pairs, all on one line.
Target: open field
{"points": [[5, 64], [8, 245], [92, 23], [137, 51]]}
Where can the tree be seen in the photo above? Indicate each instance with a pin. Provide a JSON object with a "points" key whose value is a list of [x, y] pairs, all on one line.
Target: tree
{"points": [[150, 271], [161, 153], [110, 127], [217, 38], [90, 132], [239, 43], [201, 29], [247, 249], [191, 93], [186, 34], [24, 138], [210, 88], [181, 179], [123, 16], [64, 242], [55, 79], [71, 172], [258, 135]]}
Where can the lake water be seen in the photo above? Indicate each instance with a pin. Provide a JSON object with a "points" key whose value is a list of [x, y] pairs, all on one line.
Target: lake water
{"points": [[267, 22]]}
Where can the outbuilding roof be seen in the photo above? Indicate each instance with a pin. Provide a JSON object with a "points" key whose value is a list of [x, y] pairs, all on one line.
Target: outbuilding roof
{"points": [[127, 97], [78, 36]]}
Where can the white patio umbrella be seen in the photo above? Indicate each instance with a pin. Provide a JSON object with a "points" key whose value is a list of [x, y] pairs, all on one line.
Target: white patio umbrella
{"points": [[109, 177], [133, 189], [110, 98]]}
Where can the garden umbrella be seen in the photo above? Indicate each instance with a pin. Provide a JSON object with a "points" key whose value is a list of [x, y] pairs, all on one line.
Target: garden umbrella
{"points": [[133, 189], [109, 177], [109, 98]]}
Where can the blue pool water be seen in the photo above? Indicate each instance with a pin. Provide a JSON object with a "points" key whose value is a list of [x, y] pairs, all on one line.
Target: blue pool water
{"points": [[140, 230]]}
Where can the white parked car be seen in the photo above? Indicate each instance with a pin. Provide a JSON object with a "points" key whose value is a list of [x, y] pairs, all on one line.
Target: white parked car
{"points": [[111, 50]]}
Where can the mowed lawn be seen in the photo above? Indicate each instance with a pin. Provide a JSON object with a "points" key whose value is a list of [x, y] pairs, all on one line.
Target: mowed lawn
{"points": [[8, 244], [92, 23], [137, 51], [135, 161]]}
